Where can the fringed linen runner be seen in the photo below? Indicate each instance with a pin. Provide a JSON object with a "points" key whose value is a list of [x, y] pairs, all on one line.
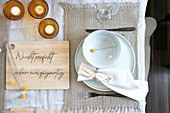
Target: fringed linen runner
{"points": [[78, 18]]}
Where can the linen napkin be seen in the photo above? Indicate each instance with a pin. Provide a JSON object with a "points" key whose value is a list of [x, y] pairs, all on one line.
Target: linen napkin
{"points": [[119, 80]]}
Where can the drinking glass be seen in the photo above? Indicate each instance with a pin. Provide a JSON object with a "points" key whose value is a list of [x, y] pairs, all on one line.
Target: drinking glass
{"points": [[106, 10]]}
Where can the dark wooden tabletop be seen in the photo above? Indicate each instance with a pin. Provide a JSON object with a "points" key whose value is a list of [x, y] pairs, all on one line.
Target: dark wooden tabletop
{"points": [[158, 99]]}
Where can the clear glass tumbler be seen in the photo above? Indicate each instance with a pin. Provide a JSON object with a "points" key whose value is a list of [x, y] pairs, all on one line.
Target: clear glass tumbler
{"points": [[106, 10]]}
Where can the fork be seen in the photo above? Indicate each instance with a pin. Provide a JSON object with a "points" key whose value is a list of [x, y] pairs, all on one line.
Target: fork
{"points": [[92, 94]]}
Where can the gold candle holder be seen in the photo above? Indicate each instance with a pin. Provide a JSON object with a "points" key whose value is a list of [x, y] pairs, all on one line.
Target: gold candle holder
{"points": [[48, 28], [38, 8], [13, 10]]}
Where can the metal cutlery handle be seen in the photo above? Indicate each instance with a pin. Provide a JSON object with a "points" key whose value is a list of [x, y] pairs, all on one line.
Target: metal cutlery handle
{"points": [[112, 95], [116, 29], [92, 94]]}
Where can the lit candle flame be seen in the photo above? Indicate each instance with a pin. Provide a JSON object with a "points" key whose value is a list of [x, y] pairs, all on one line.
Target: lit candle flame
{"points": [[39, 10], [15, 11], [49, 29]]}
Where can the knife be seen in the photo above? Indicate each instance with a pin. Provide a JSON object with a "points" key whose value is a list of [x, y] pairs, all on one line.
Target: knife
{"points": [[116, 29]]}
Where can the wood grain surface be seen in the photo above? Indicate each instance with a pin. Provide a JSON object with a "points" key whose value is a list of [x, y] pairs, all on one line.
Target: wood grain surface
{"points": [[158, 99], [40, 65], [20, 110], [46, 111]]}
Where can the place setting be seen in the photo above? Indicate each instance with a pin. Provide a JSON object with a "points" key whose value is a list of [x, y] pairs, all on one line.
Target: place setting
{"points": [[96, 65], [104, 57], [116, 55], [106, 70]]}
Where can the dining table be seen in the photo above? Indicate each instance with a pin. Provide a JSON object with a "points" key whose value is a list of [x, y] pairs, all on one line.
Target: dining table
{"points": [[26, 29]]}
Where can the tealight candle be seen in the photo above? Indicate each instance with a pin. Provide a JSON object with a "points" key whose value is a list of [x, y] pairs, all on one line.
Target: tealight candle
{"points": [[15, 11], [49, 29], [39, 10]]}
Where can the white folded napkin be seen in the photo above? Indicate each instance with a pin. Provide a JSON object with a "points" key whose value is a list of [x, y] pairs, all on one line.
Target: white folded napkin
{"points": [[119, 80]]}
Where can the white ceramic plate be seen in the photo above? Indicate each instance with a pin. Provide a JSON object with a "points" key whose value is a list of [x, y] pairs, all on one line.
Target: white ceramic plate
{"points": [[125, 60], [101, 41]]}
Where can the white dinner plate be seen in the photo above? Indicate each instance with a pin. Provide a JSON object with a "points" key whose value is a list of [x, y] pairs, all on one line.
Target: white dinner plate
{"points": [[125, 60]]}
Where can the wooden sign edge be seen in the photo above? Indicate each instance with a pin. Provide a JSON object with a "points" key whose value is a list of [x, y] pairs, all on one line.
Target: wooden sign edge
{"points": [[37, 42]]}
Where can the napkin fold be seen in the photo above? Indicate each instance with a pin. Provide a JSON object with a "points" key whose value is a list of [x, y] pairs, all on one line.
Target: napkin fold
{"points": [[119, 80]]}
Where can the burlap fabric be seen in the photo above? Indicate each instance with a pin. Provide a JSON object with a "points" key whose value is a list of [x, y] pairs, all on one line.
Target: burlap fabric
{"points": [[4, 29], [78, 18]]}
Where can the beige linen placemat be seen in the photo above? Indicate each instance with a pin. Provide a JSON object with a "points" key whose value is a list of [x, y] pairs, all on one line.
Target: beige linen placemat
{"points": [[77, 19], [4, 28]]}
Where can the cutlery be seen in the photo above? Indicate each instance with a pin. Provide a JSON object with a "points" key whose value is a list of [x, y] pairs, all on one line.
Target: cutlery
{"points": [[92, 94], [116, 29]]}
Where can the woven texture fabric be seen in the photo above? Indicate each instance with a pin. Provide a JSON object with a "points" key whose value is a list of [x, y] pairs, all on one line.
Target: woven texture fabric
{"points": [[4, 27], [78, 18]]}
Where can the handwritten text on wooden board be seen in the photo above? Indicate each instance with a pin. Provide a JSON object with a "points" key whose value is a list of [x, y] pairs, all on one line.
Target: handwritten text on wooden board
{"points": [[40, 64]]}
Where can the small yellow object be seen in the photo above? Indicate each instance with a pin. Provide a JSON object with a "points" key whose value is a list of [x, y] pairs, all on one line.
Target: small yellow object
{"points": [[12, 83], [25, 88], [23, 96], [93, 50]]}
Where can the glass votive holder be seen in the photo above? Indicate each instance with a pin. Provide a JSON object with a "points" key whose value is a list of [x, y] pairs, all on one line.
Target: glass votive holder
{"points": [[48, 28], [13, 10], [38, 8]]}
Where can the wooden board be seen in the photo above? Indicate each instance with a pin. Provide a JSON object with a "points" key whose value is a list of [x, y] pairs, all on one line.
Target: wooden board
{"points": [[20, 110], [41, 64], [46, 111]]}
